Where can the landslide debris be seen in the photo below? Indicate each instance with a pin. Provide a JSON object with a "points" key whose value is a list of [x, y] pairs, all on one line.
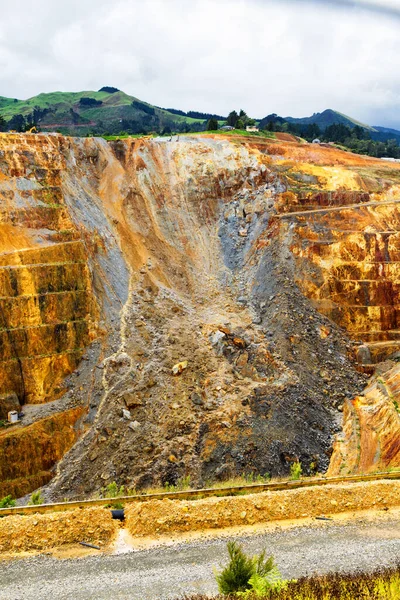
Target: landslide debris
{"points": [[200, 349]]}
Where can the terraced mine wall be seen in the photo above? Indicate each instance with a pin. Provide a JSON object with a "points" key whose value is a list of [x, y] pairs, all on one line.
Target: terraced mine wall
{"points": [[27, 454], [250, 264]]}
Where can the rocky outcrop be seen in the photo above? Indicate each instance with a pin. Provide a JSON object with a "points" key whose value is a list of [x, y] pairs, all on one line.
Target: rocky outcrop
{"points": [[371, 428], [121, 261]]}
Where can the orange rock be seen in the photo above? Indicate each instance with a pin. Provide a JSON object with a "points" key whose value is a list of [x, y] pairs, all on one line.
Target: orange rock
{"points": [[239, 342]]}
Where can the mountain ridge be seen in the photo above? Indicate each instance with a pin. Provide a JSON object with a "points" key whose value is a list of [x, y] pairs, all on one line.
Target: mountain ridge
{"points": [[329, 117], [111, 111]]}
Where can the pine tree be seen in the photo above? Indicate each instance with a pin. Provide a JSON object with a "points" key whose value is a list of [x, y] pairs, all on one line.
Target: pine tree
{"points": [[232, 119], [212, 124]]}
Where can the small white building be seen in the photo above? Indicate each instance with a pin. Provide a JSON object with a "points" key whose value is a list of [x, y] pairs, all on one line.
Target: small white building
{"points": [[12, 416], [316, 141], [252, 128]]}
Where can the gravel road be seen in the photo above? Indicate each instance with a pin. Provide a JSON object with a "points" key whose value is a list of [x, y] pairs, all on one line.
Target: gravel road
{"points": [[169, 572]]}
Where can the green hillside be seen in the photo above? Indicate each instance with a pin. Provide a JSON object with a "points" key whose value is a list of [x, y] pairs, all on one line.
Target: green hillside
{"points": [[102, 112], [328, 117]]}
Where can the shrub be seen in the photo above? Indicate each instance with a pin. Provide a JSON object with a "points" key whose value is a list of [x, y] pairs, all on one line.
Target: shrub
{"points": [[113, 491], [36, 499], [7, 502], [248, 577], [89, 102], [235, 577], [295, 471]]}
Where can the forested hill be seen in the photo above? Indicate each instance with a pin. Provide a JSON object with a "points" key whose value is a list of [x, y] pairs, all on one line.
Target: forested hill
{"points": [[332, 126], [328, 117], [107, 111]]}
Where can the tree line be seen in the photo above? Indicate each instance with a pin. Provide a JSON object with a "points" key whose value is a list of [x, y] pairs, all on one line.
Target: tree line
{"points": [[355, 138], [236, 120], [20, 123]]}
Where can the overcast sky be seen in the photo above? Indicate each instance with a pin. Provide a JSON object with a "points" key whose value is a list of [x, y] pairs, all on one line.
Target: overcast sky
{"points": [[290, 57]]}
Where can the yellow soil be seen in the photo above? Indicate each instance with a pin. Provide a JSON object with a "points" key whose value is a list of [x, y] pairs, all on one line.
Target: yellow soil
{"points": [[372, 517], [42, 532], [159, 517]]}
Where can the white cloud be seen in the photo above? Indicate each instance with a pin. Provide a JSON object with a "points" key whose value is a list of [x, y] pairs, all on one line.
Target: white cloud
{"points": [[265, 56]]}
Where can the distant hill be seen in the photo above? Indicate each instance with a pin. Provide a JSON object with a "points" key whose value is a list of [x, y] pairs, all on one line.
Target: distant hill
{"points": [[107, 111], [330, 117], [381, 134], [327, 118]]}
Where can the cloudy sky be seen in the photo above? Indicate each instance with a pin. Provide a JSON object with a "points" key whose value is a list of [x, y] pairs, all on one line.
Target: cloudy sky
{"points": [[290, 57]]}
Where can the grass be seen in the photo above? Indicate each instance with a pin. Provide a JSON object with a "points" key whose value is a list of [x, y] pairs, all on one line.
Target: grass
{"points": [[249, 479], [36, 499], [236, 132], [383, 584], [115, 108], [112, 138], [184, 484]]}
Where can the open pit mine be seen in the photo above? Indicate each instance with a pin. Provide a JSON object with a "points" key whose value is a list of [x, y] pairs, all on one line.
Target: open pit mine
{"points": [[200, 306]]}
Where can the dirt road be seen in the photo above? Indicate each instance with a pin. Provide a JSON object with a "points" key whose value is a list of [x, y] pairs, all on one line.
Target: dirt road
{"points": [[170, 572]]}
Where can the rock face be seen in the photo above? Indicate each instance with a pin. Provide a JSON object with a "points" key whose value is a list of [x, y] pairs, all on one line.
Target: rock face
{"points": [[371, 432], [182, 295]]}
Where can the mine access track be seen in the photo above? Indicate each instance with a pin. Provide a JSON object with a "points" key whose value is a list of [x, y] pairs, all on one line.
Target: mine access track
{"points": [[328, 209], [198, 494]]}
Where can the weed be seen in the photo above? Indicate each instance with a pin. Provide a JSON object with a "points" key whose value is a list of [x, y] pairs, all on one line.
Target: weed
{"points": [[253, 478], [36, 499], [182, 484], [169, 487], [113, 491], [7, 502], [295, 471], [115, 505]]}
